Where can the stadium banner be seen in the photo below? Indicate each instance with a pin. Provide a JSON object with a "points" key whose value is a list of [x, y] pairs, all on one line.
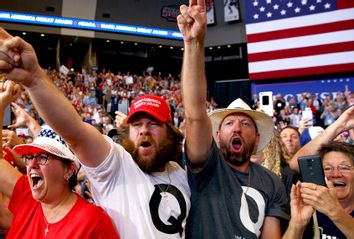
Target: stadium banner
{"points": [[320, 87]]}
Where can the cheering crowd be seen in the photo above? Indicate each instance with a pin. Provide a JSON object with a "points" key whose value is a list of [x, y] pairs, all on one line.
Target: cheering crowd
{"points": [[127, 156]]}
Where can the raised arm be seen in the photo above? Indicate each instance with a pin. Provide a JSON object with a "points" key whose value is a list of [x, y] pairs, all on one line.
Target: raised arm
{"points": [[192, 24], [85, 141], [344, 122], [8, 174], [23, 119]]}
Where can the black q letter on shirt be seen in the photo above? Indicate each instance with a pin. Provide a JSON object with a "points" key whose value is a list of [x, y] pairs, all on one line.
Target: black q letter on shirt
{"points": [[176, 223]]}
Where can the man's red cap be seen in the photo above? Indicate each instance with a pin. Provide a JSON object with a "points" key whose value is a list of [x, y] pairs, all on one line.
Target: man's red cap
{"points": [[152, 105]]}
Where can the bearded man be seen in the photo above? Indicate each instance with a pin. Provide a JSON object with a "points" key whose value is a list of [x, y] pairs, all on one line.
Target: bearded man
{"points": [[145, 193], [231, 196]]}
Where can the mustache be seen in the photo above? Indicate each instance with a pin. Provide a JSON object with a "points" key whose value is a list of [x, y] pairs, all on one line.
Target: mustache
{"points": [[144, 139], [237, 136]]}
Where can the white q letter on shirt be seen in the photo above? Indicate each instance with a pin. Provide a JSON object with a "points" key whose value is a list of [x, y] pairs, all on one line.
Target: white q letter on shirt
{"points": [[244, 210]]}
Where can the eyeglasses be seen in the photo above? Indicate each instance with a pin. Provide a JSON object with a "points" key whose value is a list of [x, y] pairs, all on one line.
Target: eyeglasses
{"points": [[343, 168], [40, 159]]}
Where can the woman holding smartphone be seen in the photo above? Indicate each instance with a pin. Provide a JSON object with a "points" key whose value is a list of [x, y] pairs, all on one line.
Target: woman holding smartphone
{"points": [[334, 204]]}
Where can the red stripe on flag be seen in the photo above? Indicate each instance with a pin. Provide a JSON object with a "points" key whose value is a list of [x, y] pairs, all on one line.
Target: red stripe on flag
{"points": [[303, 51], [302, 71], [301, 31], [341, 4]]}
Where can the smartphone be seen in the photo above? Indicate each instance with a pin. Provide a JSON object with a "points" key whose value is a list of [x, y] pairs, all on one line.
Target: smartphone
{"points": [[7, 118], [266, 102], [311, 169], [307, 113]]}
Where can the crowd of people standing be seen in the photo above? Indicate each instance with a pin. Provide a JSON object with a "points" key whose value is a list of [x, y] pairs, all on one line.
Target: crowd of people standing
{"points": [[180, 167]]}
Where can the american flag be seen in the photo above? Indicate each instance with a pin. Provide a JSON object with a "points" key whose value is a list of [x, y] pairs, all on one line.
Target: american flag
{"points": [[288, 38]]}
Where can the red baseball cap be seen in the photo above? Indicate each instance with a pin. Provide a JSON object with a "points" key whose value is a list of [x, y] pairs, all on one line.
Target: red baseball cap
{"points": [[152, 105]]}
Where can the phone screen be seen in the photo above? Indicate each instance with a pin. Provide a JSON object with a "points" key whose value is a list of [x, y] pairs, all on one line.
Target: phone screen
{"points": [[265, 99], [7, 117], [307, 114]]}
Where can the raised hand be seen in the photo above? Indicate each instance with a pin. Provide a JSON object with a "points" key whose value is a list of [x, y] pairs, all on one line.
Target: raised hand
{"points": [[120, 117], [301, 212], [21, 116], [192, 21], [323, 199], [346, 119], [10, 139], [9, 91], [18, 59]]}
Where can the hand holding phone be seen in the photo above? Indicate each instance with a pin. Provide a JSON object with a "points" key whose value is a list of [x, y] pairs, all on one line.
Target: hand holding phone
{"points": [[307, 115], [311, 169], [266, 102]]}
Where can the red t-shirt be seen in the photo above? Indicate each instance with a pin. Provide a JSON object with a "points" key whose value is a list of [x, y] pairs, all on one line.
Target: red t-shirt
{"points": [[84, 220]]}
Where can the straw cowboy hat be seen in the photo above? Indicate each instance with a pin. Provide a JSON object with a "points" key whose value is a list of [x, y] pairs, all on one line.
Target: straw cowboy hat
{"points": [[264, 123]]}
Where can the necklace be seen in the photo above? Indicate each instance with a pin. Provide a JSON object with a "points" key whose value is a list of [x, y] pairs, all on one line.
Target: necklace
{"points": [[46, 230], [164, 192], [249, 179]]}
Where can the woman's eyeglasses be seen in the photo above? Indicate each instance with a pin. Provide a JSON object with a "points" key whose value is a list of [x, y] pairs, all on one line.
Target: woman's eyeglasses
{"points": [[343, 168], [40, 159]]}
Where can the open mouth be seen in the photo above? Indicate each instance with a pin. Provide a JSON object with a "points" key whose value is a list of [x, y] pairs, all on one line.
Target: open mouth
{"points": [[145, 144], [339, 184], [236, 143], [37, 181]]}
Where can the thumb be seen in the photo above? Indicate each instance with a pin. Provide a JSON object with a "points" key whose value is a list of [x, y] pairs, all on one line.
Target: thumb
{"points": [[331, 188], [13, 126], [329, 184]]}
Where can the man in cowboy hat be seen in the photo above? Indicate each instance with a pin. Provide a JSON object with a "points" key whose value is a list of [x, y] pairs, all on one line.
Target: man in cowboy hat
{"points": [[231, 197]]}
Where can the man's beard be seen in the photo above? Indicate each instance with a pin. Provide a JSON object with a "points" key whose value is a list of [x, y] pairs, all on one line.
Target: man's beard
{"points": [[165, 152], [236, 159]]}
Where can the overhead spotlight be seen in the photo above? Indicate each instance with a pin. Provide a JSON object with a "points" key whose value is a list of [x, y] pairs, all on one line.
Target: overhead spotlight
{"points": [[24, 33], [108, 41], [160, 46], [182, 49], [135, 44], [219, 47], [70, 44], [171, 47], [42, 35], [122, 42], [228, 46], [210, 48]]}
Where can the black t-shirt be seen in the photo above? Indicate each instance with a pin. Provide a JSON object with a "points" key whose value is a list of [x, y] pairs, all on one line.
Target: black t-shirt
{"points": [[227, 203]]}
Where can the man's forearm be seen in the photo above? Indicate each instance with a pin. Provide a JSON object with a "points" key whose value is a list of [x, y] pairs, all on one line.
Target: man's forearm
{"points": [[53, 107]]}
